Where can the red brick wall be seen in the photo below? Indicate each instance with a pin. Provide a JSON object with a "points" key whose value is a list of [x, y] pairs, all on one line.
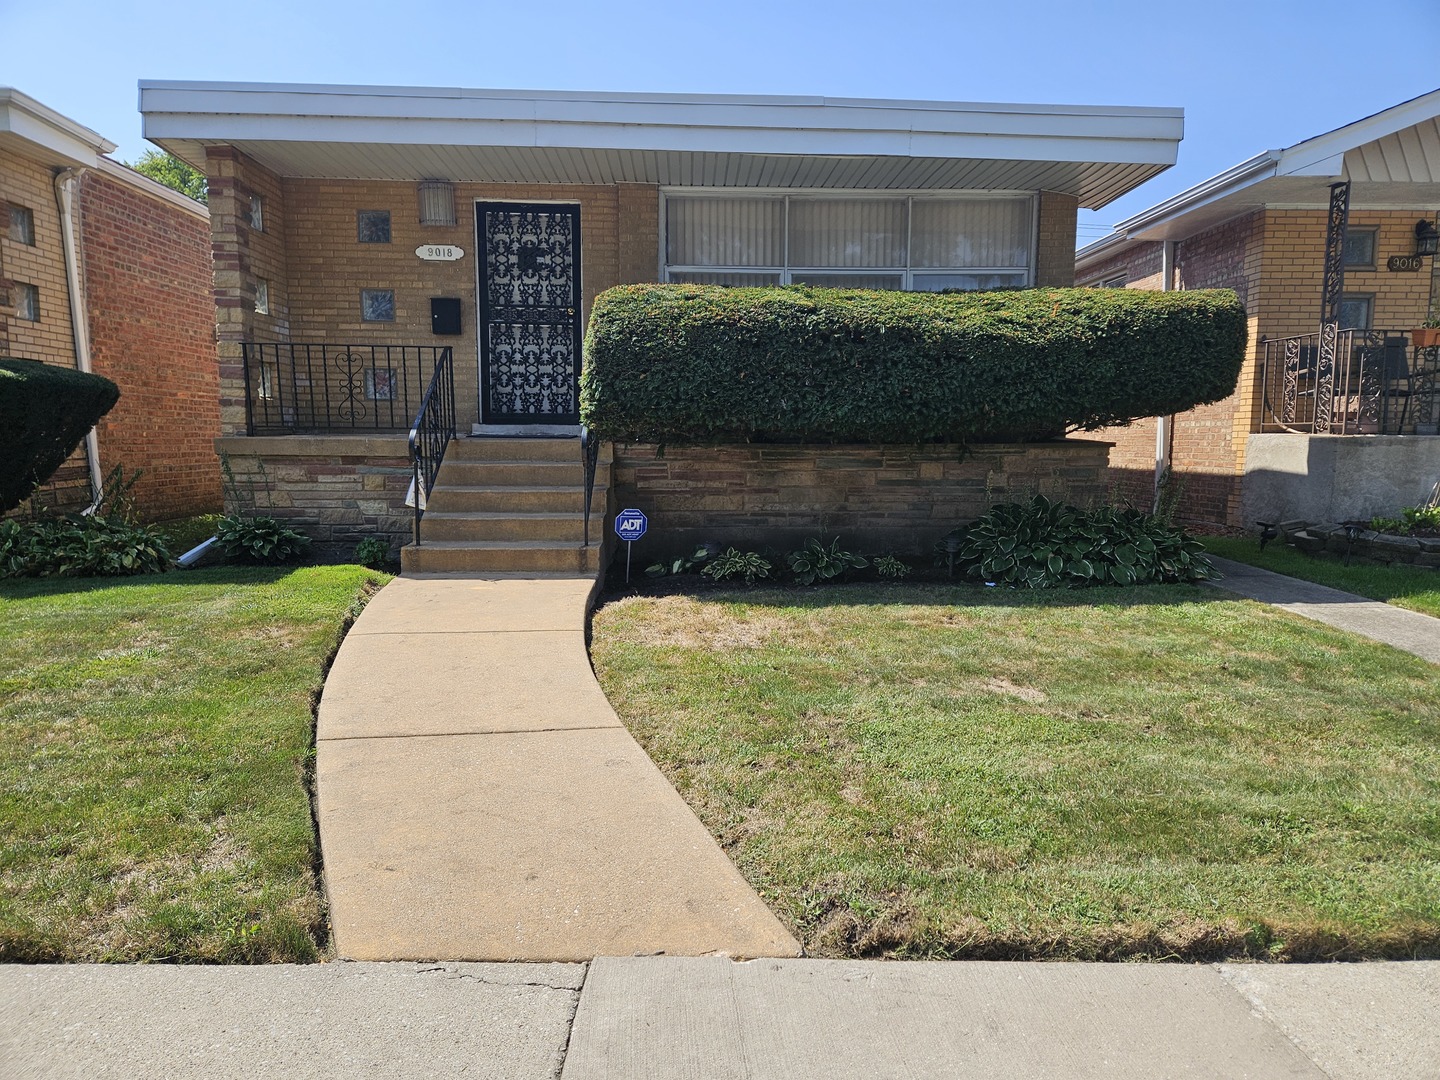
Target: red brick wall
{"points": [[152, 330]]}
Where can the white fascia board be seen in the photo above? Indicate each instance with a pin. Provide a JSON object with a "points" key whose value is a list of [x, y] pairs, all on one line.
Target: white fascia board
{"points": [[1317, 156], [22, 117], [698, 123], [1106, 247], [1248, 173]]}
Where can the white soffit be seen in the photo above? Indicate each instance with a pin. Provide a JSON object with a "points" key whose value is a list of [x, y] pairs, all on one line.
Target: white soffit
{"points": [[35, 130], [1392, 160], [501, 136]]}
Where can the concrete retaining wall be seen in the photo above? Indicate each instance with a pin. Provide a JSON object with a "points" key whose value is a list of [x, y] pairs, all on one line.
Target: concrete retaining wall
{"points": [[1332, 478]]}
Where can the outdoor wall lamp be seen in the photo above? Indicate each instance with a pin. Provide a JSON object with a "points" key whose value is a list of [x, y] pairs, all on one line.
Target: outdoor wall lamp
{"points": [[1427, 239]]}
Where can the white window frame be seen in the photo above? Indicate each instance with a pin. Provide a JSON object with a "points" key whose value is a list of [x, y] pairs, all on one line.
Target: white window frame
{"points": [[907, 273]]}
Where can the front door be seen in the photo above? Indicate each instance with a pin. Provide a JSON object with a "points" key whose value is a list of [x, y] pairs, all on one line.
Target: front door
{"points": [[529, 313]]}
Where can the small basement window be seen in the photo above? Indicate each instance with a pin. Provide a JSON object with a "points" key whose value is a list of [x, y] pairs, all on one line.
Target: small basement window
{"points": [[1356, 311], [27, 306], [22, 224], [372, 226]]}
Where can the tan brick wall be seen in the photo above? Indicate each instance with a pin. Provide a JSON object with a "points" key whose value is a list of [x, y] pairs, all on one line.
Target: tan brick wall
{"points": [[1055, 246], [879, 498]]}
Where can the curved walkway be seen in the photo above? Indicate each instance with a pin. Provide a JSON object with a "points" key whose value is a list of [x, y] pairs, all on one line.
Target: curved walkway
{"points": [[478, 799]]}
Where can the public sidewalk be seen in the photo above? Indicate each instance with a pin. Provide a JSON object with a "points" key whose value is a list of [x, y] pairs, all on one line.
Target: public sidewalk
{"points": [[1408, 630], [478, 798], [668, 1018]]}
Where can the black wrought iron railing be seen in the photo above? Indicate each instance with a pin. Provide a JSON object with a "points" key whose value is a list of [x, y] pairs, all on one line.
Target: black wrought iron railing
{"points": [[590, 457], [295, 388], [431, 433], [1349, 382]]}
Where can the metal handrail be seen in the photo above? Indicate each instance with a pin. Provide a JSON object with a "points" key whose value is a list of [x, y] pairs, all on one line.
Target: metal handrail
{"points": [[590, 456], [431, 433]]}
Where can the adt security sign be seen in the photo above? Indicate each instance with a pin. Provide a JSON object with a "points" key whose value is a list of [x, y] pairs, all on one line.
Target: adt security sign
{"points": [[629, 526]]}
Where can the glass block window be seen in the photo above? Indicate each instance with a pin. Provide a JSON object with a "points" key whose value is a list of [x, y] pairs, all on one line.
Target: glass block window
{"points": [[377, 305], [262, 297], [913, 242], [1356, 311], [27, 306], [372, 226], [22, 224], [380, 384], [257, 213], [1359, 247]]}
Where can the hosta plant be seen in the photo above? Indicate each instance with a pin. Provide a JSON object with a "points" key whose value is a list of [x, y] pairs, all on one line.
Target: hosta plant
{"points": [[260, 540], [76, 546], [1046, 545], [751, 566], [891, 568], [815, 562]]}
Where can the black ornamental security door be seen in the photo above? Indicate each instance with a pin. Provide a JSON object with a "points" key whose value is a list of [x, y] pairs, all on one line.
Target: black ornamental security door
{"points": [[529, 313]]}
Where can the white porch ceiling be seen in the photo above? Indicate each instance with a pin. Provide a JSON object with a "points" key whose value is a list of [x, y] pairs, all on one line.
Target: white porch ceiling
{"points": [[1094, 153]]}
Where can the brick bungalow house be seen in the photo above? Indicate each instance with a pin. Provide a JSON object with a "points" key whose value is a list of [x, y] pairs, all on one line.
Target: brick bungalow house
{"points": [[104, 269], [366, 238], [1324, 425]]}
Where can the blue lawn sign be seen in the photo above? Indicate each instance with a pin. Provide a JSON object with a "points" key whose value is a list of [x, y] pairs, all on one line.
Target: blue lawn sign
{"points": [[630, 526]]}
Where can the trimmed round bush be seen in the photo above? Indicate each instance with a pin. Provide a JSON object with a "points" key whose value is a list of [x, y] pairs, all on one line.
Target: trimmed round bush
{"points": [[704, 363], [45, 411]]}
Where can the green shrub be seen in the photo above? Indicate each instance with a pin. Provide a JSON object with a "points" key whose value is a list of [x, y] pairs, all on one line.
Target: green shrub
{"points": [[374, 552], [1411, 519], [1046, 545], [45, 412], [891, 568], [77, 546], [692, 363], [749, 565], [681, 564], [260, 540], [815, 563]]}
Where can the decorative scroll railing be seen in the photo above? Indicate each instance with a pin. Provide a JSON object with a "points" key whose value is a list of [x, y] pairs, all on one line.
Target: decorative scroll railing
{"points": [[590, 458], [1350, 382], [293, 388], [431, 433]]}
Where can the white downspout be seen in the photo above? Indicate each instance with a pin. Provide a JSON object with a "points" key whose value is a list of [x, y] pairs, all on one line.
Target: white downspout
{"points": [[65, 182], [1164, 424]]}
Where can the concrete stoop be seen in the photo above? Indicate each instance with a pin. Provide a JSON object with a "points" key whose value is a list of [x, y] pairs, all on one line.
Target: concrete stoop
{"points": [[511, 505]]}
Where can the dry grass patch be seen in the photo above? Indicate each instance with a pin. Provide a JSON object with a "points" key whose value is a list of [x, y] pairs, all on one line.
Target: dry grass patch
{"points": [[951, 771]]}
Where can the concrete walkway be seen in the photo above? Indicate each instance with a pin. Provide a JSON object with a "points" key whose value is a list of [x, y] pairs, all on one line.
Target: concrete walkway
{"points": [[711, 1018], [478, 798], [1407, 630]]}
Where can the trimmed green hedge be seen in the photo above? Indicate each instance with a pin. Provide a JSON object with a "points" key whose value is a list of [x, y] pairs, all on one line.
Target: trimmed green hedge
{"points": [[703, 363], [45, 411]]}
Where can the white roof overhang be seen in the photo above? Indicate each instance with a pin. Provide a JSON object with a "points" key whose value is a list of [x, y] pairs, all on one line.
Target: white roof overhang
{"points": [[38, 131], [1391, 159], [686, 140]]}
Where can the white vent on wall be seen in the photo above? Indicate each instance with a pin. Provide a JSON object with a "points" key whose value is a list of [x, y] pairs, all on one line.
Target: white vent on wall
{"points": [[437, 202]]}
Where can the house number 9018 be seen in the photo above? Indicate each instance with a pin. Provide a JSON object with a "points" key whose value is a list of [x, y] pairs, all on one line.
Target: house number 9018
{"points": [[439, 252]]}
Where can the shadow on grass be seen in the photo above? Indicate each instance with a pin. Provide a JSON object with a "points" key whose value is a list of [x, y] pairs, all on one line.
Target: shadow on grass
{"points": [[25, 588]]}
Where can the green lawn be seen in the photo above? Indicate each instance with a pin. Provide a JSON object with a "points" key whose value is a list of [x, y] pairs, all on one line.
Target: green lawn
{"points": [[951, 771], [1413, 587], [155, 747]]}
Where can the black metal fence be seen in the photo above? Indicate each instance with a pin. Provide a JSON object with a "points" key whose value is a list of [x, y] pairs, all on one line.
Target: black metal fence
{"points": [[322, 389], [1350, 382]]}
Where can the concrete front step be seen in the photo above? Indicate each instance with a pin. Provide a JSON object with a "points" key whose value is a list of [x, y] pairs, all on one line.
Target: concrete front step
{"points": [[439, 525], [480, 556], [458, 472], [501, 499], [504, 449]]}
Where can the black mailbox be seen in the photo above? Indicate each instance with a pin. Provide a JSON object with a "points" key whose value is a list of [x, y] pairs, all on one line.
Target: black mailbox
{"points": [[444, 315]]}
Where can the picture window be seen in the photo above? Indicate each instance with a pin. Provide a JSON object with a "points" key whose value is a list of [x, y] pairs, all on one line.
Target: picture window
{"points": [[373, 226], [22, 224], [377, 305], [257, 213], [28, 306], [1360, 247]]}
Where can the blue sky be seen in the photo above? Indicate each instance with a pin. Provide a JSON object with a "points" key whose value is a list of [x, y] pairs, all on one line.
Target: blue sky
{"points": [[1250, 75]]}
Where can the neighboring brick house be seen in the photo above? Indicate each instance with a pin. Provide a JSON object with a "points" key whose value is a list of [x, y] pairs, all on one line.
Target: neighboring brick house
{"points": [[79, 231], [363, 234], [1264, 228]]}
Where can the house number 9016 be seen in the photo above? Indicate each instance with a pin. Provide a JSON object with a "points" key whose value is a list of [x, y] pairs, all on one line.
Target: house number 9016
{"points": [[1405, 262]]}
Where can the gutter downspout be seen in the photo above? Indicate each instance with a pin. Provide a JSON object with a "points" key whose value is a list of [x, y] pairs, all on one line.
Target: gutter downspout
{"points": [[65, 182], [1164, 425]]}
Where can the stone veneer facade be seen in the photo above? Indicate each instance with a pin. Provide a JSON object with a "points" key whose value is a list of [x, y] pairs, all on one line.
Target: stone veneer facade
{"points": [[875, 498]]}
